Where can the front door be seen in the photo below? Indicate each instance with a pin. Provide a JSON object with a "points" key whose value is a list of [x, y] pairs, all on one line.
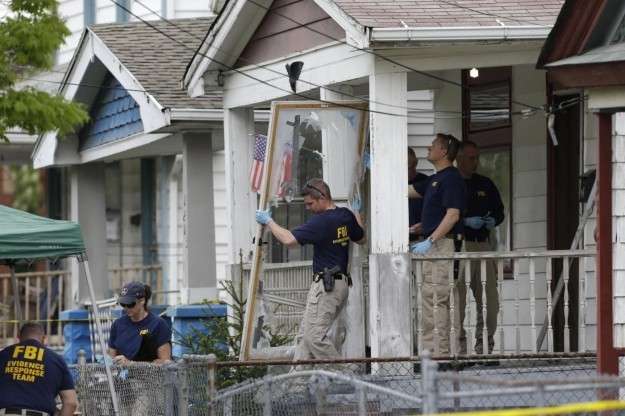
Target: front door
{"points": [[563, 206]]}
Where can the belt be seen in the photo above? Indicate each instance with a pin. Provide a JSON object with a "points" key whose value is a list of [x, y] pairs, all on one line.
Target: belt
{"points": [[338, 276], [22, 412], [476, 239], [452, 236]]}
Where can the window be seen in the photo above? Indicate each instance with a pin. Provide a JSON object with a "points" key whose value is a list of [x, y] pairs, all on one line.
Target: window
{"points": [[487, 102], [307, 163]]}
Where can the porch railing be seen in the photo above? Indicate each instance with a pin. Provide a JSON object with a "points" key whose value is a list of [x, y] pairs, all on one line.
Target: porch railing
{"points": [[524, 286], [41, 296]]}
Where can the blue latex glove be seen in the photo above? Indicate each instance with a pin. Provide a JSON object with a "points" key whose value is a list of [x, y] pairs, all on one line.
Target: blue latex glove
{"points": [[421, 247], [489, 222], [366, 160], [263, 217], [474, 222]]}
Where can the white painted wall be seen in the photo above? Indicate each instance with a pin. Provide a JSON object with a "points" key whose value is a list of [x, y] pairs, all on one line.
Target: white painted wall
{"points": [[421, 125], [618, 227], [72, 12]]}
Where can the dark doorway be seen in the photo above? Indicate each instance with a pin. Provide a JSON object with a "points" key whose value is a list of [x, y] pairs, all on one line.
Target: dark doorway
{"points": [[563, 196]]}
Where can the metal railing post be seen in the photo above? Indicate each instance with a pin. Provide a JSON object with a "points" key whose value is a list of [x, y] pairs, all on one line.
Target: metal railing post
{"points": [[428, 377], [212, 391], [267, 398], [169, 385], [182, 386]]}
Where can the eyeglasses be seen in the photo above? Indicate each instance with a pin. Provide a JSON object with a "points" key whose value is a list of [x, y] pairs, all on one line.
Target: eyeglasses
{"points": [[309, 186], [127, 305]]}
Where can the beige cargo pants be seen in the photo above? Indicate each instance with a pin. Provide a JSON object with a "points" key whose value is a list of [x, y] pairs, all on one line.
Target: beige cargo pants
{"points": [[492, 299], [321, 311], [435, 295]]}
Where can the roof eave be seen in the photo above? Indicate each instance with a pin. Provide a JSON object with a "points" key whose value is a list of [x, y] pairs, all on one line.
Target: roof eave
{"points": [[458, 33]]}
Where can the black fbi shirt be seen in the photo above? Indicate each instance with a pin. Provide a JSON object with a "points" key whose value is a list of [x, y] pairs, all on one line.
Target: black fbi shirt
{"points": [[330, 232], [483, 199], [445, 189], [31, 377]]}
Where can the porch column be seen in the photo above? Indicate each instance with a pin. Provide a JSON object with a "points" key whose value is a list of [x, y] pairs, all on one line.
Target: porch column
{"points": [[350, 328], [241, 202], [389, 261], [607, 359], [616, 240], [88, 208], [200, 274]]}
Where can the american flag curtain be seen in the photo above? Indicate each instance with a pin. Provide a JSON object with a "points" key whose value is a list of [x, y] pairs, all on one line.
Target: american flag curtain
{"points": [[286, 176], [256, 175]]}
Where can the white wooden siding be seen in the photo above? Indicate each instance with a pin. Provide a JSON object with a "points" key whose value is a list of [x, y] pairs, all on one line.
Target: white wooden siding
{"points": [[421, 125], [590, 132], [618, 225], [72, 12], [192, 8]]}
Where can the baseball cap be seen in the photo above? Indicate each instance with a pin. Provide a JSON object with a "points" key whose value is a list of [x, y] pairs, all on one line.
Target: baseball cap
{"points": [[131, 292]]}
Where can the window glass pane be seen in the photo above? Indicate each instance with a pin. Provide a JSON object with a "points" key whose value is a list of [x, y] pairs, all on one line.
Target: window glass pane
{"points": [[496, 164], [490, 106]]}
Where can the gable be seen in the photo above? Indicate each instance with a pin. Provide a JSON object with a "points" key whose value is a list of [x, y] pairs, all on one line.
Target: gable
{"points": [[114, 115], [278, 36], [573, 30]]}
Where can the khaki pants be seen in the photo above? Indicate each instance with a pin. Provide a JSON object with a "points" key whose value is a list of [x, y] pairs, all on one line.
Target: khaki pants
{"points": [[322, 308], [435, 294], [492, 298]]}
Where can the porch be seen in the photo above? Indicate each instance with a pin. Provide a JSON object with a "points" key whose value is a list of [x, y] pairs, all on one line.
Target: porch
{"points": [[530, 320]]}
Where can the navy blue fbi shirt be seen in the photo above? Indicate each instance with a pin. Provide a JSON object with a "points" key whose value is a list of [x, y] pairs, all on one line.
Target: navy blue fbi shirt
{"points": [[483, 199], [415, 205], [445, 189], [31, 376], [329, 232], [139, 341]]}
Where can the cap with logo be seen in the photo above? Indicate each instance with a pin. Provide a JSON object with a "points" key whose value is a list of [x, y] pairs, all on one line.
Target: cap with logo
{"points": [[131, 292]]}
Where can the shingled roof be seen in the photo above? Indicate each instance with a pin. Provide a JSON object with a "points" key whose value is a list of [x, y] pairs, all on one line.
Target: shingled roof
{"points": [[446, 13], [157, 61]]}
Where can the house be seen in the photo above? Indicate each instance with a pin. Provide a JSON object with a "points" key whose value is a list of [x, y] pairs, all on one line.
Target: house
{"points": [[583, 56], [127, 188], [388, 54]]}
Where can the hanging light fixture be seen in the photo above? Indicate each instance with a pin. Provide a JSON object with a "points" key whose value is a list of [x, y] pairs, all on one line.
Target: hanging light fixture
{"points": [[474, 73]]}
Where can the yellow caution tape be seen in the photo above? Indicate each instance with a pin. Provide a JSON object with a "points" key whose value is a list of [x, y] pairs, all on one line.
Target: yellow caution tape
{"points": [[552, 410]]}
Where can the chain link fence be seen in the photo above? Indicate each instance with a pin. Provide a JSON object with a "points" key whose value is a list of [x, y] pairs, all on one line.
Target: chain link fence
{"points": [[198, 385]]}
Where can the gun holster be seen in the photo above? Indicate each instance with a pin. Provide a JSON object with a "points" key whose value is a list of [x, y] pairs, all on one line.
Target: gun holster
{"points": [[327, 276]]}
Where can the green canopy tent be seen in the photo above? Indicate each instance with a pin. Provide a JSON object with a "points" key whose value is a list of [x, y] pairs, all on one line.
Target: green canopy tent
{"points": [[26, 237]]}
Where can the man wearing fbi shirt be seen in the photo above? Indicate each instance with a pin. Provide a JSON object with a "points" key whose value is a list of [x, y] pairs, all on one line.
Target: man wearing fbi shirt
{"points": [[31, 376], [329, 231], [484, 212], [444, 201]]}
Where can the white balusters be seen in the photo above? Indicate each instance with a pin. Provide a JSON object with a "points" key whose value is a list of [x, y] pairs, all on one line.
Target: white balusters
{"points": [[452, 326], [549, 272], [436, 334], [419, 273], [565, 272], [468, 308], [501, 301], [484, 307], [533, 302], [517, 328], [583, 294]]}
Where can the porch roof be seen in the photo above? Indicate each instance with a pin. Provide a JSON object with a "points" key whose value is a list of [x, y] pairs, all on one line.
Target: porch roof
{"points": [[439, 13], [157, 61]]}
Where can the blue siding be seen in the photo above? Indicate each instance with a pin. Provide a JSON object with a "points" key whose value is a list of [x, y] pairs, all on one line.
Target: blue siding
{"points": [[114, 115]]}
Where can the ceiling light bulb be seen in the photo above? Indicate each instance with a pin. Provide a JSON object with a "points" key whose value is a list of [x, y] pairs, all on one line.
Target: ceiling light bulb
{"points": [[474, 73]]}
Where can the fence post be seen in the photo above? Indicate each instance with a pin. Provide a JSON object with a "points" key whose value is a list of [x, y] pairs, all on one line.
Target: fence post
{"points": [[212, 392], [428, 377], [182, 385], [169, 384], [267, 401], [362, 400]]}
